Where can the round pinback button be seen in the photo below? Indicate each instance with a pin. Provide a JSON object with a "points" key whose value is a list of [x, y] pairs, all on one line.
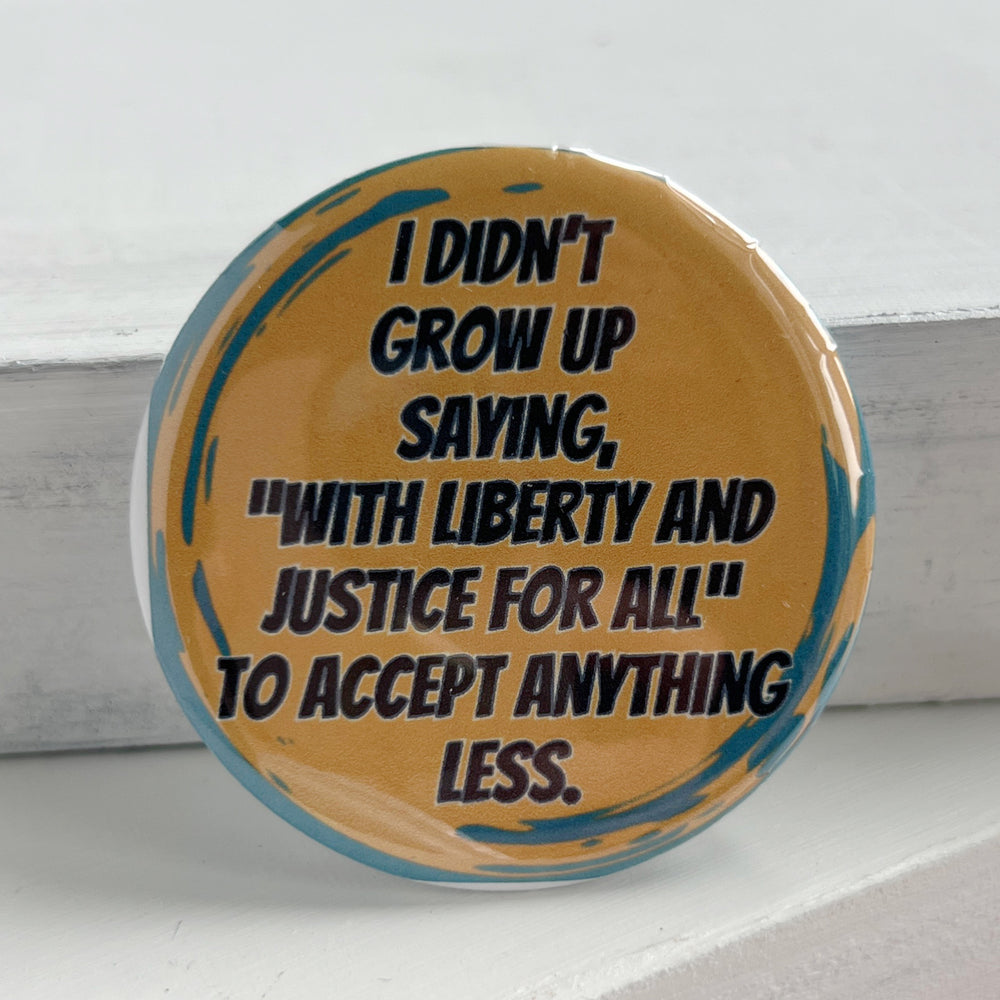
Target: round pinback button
{"points": [[503, 516]]}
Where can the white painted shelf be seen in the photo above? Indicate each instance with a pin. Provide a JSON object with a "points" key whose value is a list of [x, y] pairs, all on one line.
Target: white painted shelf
{"points": [[867, 866]]}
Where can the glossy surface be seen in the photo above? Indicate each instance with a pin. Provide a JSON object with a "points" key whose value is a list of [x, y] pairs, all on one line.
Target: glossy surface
{"points": [[508, 516]]}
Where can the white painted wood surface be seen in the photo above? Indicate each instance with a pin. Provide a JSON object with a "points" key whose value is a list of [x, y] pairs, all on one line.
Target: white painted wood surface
{"points": [[940, 913], [867, 866]]}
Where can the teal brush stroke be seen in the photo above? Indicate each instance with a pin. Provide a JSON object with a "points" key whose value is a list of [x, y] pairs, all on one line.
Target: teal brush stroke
{"points": [[312, 276], [525, 188], [757, 739], [167, 387], [186, 360], [390, 207], [227, 337], [337, 201], [210, 467], [177, 363], [315, 203], [199, 583]]}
